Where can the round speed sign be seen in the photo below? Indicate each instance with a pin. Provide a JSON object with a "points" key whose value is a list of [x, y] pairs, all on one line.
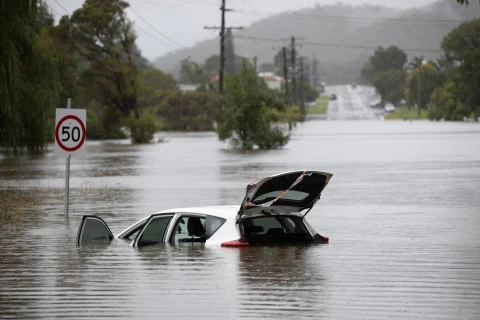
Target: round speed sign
{"points": [[70, 133]]}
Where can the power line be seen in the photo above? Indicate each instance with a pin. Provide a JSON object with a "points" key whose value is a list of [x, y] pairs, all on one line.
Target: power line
{"points": [[62, 7], [153, 37], [177, 5], [55, 11], [334, 45], [160, 33]]}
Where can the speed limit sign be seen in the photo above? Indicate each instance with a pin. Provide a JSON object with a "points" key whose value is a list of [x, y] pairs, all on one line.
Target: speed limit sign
{"points": [[70, 133]]}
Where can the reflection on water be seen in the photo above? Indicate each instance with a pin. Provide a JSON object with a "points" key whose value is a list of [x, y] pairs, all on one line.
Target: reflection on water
{"points": [[401, 212]]}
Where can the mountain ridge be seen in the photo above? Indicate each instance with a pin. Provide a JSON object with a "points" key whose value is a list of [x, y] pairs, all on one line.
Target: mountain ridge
{"points": [[341, 36]]}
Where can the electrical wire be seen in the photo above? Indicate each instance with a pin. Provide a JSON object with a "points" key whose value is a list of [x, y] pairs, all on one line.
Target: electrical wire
{"points": [[156, 30], [62, 7], [333, 45]]}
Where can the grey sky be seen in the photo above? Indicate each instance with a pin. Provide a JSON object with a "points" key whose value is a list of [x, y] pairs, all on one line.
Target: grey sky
{"points": [[183, 20]]}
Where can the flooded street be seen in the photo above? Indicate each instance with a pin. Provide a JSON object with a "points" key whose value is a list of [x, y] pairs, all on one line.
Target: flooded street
{"points": [[402, 212]]}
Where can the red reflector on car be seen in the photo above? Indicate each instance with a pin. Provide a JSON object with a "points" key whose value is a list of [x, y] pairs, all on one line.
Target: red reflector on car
{"points": [[235, 243], [326, 239]]}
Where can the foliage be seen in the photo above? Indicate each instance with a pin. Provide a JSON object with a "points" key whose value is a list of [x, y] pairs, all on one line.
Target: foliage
{"points": [[157, 80], [29, 82], [390, 84], [463, 39], [104, 122], [248, 113], [192, 73], [193, 111], [429, 77], [100, 33], [464, 2], [309, 94], [211, 66], [447, 104], [392, 58], [142, 128]]}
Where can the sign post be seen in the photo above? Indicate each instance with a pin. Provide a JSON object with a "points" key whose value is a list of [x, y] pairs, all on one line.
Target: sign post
{"points": [[70, 135]]}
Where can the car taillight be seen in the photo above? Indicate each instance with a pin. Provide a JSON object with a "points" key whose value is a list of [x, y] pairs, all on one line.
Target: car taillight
{"points": [[235, 243]]}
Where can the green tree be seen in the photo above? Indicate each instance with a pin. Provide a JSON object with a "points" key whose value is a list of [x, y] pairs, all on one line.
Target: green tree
{"points": [[29, 82], [462, 48], [100, 33], [391, 85], [193, 111], [247, 114], [392, 58], [428, 75], [447, 104]]}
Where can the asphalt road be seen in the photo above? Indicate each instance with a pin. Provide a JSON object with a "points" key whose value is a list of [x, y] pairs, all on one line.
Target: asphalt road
{"points": [[352, 103]]}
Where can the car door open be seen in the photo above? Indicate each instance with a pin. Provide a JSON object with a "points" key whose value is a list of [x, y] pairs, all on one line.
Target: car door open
{"points": [[154, 231], [93, 230]]}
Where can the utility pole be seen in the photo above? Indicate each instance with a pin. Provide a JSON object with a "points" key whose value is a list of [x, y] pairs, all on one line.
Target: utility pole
{"points": [[294, 84], [293, 70], [302, 100], [314, 72], [418, 89], [285, 74], [222, 44]]}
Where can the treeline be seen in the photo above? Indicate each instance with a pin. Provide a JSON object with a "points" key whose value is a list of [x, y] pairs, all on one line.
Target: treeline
{"points": [[91, 57], [447, 88]]}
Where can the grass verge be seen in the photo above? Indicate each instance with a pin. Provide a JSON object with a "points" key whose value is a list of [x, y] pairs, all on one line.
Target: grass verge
{"points": [[320, 107], [402, 113]]}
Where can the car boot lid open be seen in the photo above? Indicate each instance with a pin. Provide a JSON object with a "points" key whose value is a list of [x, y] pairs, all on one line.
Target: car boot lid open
{"points": [[285, 193]]}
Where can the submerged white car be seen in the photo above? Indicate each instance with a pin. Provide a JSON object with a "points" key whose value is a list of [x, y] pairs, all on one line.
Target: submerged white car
{"points": [[273, 211]]}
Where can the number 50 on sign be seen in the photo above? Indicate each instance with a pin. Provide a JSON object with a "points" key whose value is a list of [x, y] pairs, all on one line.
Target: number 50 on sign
{"points": [[70, 133]]}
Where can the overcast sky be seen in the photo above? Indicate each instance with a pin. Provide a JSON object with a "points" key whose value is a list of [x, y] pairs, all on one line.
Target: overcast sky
{"points": [[183, 20]]}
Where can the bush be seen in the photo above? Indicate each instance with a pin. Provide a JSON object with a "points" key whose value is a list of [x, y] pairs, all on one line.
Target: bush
{"points": [[143, 128]]}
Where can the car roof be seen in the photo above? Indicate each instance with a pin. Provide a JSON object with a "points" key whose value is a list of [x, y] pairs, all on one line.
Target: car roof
{"points": [[226, 212]]}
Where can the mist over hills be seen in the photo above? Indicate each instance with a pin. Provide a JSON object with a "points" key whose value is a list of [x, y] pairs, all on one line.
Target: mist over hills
{"points": [[341, 36]]}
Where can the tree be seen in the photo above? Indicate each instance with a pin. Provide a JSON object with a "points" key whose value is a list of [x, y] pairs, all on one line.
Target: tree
{"points": [[29, 82], [391, 85], [464, 2], [392, 58], [447, 104], [193, 111], [385, 70], [211, 65], [462, 48], [247, 114], [461, 40], [428, 75], [100, 33]]}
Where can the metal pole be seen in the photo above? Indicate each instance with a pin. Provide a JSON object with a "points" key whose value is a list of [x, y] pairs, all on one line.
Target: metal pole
{"points": [[67, 173]]}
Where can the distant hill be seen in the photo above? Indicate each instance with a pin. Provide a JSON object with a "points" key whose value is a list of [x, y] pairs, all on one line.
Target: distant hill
{"points": [[341, 36]]}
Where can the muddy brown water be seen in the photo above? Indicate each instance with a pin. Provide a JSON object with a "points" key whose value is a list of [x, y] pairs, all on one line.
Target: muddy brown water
{"points": [[402, 212]]}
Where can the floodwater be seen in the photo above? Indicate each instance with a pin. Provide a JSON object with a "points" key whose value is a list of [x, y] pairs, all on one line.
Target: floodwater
{"points": [[402, 212]]}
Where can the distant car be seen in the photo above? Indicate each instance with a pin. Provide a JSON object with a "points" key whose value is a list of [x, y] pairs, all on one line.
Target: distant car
{"points": [[273, 211], [376, 104], [389, 108], [333, 96], [354, 85]]}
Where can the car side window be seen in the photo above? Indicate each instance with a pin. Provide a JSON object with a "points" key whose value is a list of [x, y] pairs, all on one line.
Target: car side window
{"points": [[154, 232], [189, 229]]}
